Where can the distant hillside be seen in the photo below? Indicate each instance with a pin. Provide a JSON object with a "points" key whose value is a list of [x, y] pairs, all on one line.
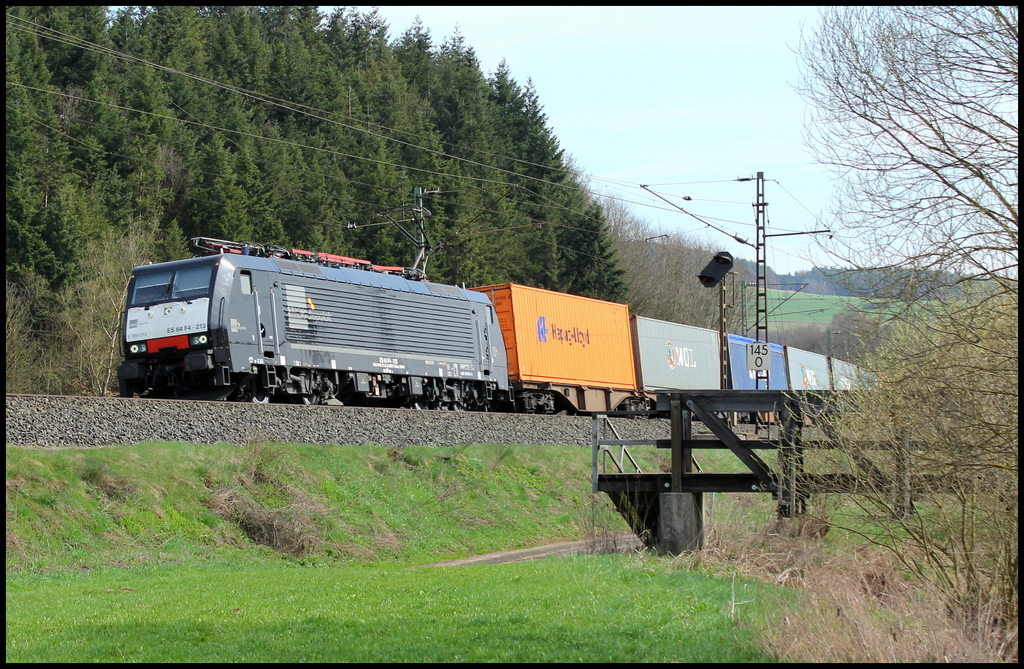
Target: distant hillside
{"points": [[805, 306], [862, 283]]}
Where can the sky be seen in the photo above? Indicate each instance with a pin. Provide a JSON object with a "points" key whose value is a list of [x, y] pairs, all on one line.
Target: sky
{"points": [[669, 97]]}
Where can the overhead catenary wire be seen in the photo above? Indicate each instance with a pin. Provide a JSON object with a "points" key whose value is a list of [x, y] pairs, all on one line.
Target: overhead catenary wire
{"points": [[284, 104], [724, 232], [302, 146], [339, 154], [534, 224], [73, 40], [16, 108], [688, 198], [776, 182], [275, 101], [205, 197], [690, 183], [82, 146], [286, 142]]}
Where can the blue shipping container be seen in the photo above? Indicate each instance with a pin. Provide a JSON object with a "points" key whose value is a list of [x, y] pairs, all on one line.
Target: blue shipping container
{"points": [[743, 379]]}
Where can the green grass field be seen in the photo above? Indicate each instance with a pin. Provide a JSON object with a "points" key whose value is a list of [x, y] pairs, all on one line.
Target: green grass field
{"points": [[267, 552], [596, 608], [787, 307], [177, 552]]}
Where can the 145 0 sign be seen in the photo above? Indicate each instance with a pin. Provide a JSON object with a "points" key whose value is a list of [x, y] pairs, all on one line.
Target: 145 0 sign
{"points": [[758, 356]]}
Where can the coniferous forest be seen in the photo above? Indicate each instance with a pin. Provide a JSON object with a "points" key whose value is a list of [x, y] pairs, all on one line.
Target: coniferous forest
{"points": [[282, 125], [130, 132]]}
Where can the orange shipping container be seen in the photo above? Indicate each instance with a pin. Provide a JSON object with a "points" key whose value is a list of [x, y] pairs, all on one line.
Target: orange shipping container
{"points": [[558, 338]]}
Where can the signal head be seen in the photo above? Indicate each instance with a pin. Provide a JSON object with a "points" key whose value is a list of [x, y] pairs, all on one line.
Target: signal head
{"points": [[716, 270]]}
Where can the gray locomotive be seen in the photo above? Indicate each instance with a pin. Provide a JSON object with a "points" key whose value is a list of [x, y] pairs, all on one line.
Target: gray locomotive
{"points": [[253, 323]]}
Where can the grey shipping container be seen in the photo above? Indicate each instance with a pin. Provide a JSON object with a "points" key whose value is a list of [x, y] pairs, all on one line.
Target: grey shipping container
{"points": [[671, 356], [845, 375], [807, 371]]}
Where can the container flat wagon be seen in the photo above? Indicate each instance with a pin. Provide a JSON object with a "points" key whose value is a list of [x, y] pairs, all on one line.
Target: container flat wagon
{"points": [[565, 352], [844, 374], [807, 371]]}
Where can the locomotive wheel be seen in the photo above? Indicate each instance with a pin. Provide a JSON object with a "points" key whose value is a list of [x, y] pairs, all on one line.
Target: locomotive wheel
{"points": [[250, 391]]}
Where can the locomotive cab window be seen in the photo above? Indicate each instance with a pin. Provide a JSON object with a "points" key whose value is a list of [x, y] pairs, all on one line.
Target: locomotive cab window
{"points": [[191, 283], [183, 284], [152, 287], [245, 278]]}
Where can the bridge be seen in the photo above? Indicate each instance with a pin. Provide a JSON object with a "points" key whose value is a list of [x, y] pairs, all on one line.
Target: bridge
{"points": [[665, 509]]}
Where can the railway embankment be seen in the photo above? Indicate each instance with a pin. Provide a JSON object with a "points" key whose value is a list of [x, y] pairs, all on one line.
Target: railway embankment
{"points": [[57, 421]]}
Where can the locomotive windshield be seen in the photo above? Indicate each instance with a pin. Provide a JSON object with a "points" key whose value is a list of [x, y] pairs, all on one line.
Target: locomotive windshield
{"points": [[182, 284]]}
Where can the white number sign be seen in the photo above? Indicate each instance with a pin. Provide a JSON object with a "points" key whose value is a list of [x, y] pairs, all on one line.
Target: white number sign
{"points": [[758, 356]]}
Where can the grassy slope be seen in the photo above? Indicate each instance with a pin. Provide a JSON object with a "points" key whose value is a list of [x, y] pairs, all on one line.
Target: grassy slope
{"points": [[159, 501], [147, 553]]}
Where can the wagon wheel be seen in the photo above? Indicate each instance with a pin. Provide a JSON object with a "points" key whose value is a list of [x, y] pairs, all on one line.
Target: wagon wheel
{"points": [[431, 397]]}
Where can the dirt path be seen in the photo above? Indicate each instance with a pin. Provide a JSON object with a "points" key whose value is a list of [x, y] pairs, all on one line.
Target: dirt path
{"points": [[609, 545]]}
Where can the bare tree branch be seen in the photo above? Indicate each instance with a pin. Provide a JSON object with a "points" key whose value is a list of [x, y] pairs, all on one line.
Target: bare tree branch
{"points": [[915, 108]]}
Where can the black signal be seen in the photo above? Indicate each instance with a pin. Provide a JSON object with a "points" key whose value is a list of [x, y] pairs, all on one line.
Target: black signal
{"points": [[716, 270]]}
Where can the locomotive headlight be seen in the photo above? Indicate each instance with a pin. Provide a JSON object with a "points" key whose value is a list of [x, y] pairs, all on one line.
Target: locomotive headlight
{"points": [[198, 340], [202, 339], [134, 348]]}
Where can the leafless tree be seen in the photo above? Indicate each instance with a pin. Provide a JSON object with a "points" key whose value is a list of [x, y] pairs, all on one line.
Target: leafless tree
{"points": [[916, 110], [79, 326], [22, 342]]}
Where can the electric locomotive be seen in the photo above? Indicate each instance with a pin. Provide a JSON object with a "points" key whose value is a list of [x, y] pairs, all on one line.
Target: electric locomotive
{"points": [[253, 323]]}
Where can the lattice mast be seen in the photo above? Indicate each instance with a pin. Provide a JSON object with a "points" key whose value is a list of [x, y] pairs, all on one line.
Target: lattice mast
{"points": [[761, 274]]}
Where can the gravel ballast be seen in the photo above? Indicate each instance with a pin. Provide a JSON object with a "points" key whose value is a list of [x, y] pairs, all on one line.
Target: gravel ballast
{"points": [[105, 421]]}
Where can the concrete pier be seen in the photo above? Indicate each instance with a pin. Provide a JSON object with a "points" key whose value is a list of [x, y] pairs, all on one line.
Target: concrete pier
{"points": [[680, 522]]}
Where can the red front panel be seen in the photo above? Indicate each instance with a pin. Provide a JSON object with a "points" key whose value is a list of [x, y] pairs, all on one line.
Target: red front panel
{"points": [[179, 342]]}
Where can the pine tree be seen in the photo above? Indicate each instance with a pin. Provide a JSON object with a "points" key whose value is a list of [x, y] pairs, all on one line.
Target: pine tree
{"points": [[220, 206], [415, 53], [41, 238], [590, 266]]}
